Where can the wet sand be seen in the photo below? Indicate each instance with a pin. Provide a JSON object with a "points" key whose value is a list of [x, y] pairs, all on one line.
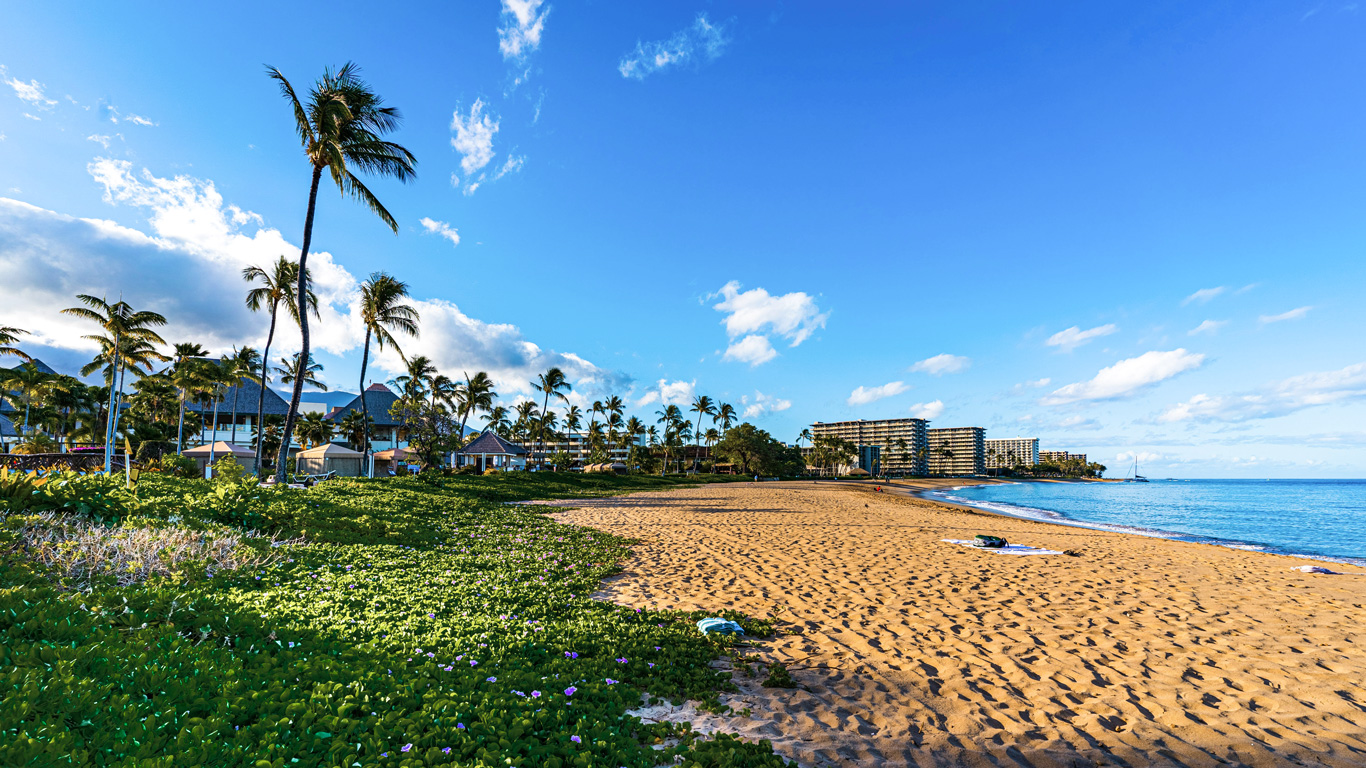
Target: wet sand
{"points": [[910, 651]]}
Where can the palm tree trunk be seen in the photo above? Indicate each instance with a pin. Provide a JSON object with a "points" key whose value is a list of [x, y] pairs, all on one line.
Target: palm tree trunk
{"points": [[265, 377], [212, 441], [108, 422], [364, 406], [118, 403], [540, 433], [293, 413], [180, 428], [236, 390]]}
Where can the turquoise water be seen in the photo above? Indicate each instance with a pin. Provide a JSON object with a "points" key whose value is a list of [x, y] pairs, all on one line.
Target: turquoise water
{"points": [[1324, 519]]}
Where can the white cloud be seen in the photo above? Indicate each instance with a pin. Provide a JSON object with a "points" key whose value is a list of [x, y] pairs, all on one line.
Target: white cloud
{"points": [[33, 117], [441, 228], [928, 411], [702, 40], [1076, 423], [755, 314], [1203, 295], [188, 267], [31, 92], [473, 139], [942, 364], [102, 140], [762, 405], [1144, 457], [1294, 314], [520, 27], [1276, 399], [865, 395], [754, 349], [139, 120], [1074, 337], [1209, 326], [667, 392], [1127, 377], [1036, 383]]}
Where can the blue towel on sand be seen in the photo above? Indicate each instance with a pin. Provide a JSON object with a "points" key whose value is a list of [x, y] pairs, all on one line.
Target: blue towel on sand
{"points": [[719, 625]]}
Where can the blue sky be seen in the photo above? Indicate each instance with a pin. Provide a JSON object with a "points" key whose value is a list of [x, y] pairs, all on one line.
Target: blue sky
{"points": [[1122, 230]]}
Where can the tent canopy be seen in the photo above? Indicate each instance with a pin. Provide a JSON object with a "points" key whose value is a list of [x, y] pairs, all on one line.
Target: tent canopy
{"points": [[329, 451], [221, 448]]}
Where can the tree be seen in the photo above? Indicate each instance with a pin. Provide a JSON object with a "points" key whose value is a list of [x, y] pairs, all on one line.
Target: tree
{"points": [[354, 428], [757, 452], [241, 364], [9, 336], [340, 128], [383, 313], [276, 287], [290, 372], [551, 383], [431, 430], [315, 430], [416, 381], [32, 383], [946, 455], [702, 406], [805, 435], [573, 419], [497, 420], [725, 416], [669, 417], [476, 395], [185, 375], [217, 378], [128, 339]]}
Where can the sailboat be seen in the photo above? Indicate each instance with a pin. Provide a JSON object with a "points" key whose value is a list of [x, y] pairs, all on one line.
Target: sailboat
{"points": [[1136, 478]]}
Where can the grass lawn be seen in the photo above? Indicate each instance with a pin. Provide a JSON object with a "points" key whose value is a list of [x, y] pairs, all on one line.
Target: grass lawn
{"points": [[410, 623]]}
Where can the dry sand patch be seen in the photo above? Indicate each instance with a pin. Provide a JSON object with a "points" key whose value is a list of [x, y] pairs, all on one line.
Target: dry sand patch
{"points": [[912, 651]]}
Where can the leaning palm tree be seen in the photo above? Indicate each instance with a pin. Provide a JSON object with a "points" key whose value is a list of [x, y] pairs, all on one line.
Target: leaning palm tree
{"points": [[552, 382], [340, 128], [476, 394], [417, 380], [805, 435], [274, 288], [383, 313], [725, 416], [125, 330], [8, 338]]}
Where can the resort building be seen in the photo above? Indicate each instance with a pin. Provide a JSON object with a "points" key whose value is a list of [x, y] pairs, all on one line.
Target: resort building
{"points": [[1059, 457], [903, 447], [957, 451], [577, 447], [385, 431], [1011, 452]]}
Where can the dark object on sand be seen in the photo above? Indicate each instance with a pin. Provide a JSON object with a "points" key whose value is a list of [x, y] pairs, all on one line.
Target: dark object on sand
{"points": [[988, 542]]}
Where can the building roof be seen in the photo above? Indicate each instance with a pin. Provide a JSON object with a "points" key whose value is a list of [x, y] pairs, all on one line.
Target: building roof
{"points": [[247, 391], [391, 453], [378, 399], [490, 443], [7, 428]]}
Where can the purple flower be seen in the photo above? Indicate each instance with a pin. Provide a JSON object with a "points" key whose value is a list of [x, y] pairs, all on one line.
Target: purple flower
{"points": [[473, 663], [621, 661], [406, 747], [651, 663], [576, 739], [610, 681], [535, 694], [431, 615], [447, 750], [570, 691], [460, 726], [492, 679]]}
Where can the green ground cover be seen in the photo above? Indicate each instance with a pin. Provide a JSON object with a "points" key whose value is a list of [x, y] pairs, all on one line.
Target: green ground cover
{"points": [[416, 622]]}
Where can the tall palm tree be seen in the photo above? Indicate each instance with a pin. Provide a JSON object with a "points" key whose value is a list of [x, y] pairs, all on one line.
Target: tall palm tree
{"points": [[290, 372], [274, 288], [702, 406], [185, 374], [497, 420], [354, 426], [340, 128], [725, 416], [805, 435], [476, 394], [669, 417], [573, 419], [417, 380], [241, 364], [526, 411], [8, 338], [593, 412], [383, 313], [217, 379], [32, 385], [550, 383], [125, 330]]}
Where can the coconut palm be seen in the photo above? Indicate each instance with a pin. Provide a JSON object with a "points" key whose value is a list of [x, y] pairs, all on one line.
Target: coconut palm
{"points": [[670, 417], [702, 406], [340, 128], [805, 435], [272, 289], [241, 364], [289, 372], [32, 385], [573, 419], [216, 380], [9, 336], [383, 313], [315, 430], [415, 383], [185, 374], [593, 412], [725, 416], [127, 340], [476, 394], [354, 427], [497, 420], [551, 383]]}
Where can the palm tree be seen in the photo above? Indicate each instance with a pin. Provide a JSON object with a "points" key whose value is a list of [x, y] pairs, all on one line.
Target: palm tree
{"points": [[276, 287], [552, 382], [702, 406], [593, 412], [315, 430], [32, 384], [525, 411], [242, 364], [290, 372], [125, 330], [497, 420], [415, 383], [476, 394], [383, 314], [670, 417], [573, 419], [340, 128], [354, 426], [10, 336], [805, 435], [186, 376], [217, 378], [725, 415]]}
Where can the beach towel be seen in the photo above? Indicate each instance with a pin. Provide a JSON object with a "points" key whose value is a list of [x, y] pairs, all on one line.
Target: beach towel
{"points": [[719, 625], [1314, 569], [1009, 549]]}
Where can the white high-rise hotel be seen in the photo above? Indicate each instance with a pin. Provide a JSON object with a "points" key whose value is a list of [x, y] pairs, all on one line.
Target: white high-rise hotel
{"points": [[1012, 452]]}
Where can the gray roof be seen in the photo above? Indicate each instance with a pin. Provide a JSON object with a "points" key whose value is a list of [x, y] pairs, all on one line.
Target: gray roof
{"points": [[7, 428], [378, 398], [492, 443], [247, 391]]}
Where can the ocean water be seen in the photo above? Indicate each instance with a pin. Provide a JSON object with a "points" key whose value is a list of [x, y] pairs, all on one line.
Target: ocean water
{"points": [[1321, 519]]}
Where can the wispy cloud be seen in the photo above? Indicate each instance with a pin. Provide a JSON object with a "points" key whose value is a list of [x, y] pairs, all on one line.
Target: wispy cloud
{"points": [[866, 395], [701, 41], [942, 364], [441, 228], [1294, 314], [30, 92], [762, 405], [1203, 295], [1127, 377], [473, 139], [1074, 337], [1276, 399], [753, 316], [928, 411], [139, 120], [1209, 326], [520, 26], [667, 392]]}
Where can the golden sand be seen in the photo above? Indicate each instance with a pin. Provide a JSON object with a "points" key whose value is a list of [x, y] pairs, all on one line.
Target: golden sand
{"points": [[1136, 651]]}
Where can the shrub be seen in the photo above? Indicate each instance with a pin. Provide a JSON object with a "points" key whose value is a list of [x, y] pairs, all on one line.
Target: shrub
{"points": [[151, 451], [178, 466], [228, 470]]}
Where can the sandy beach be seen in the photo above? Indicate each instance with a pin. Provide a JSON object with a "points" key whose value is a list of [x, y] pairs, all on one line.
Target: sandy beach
{"points": [[910, 651]]}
